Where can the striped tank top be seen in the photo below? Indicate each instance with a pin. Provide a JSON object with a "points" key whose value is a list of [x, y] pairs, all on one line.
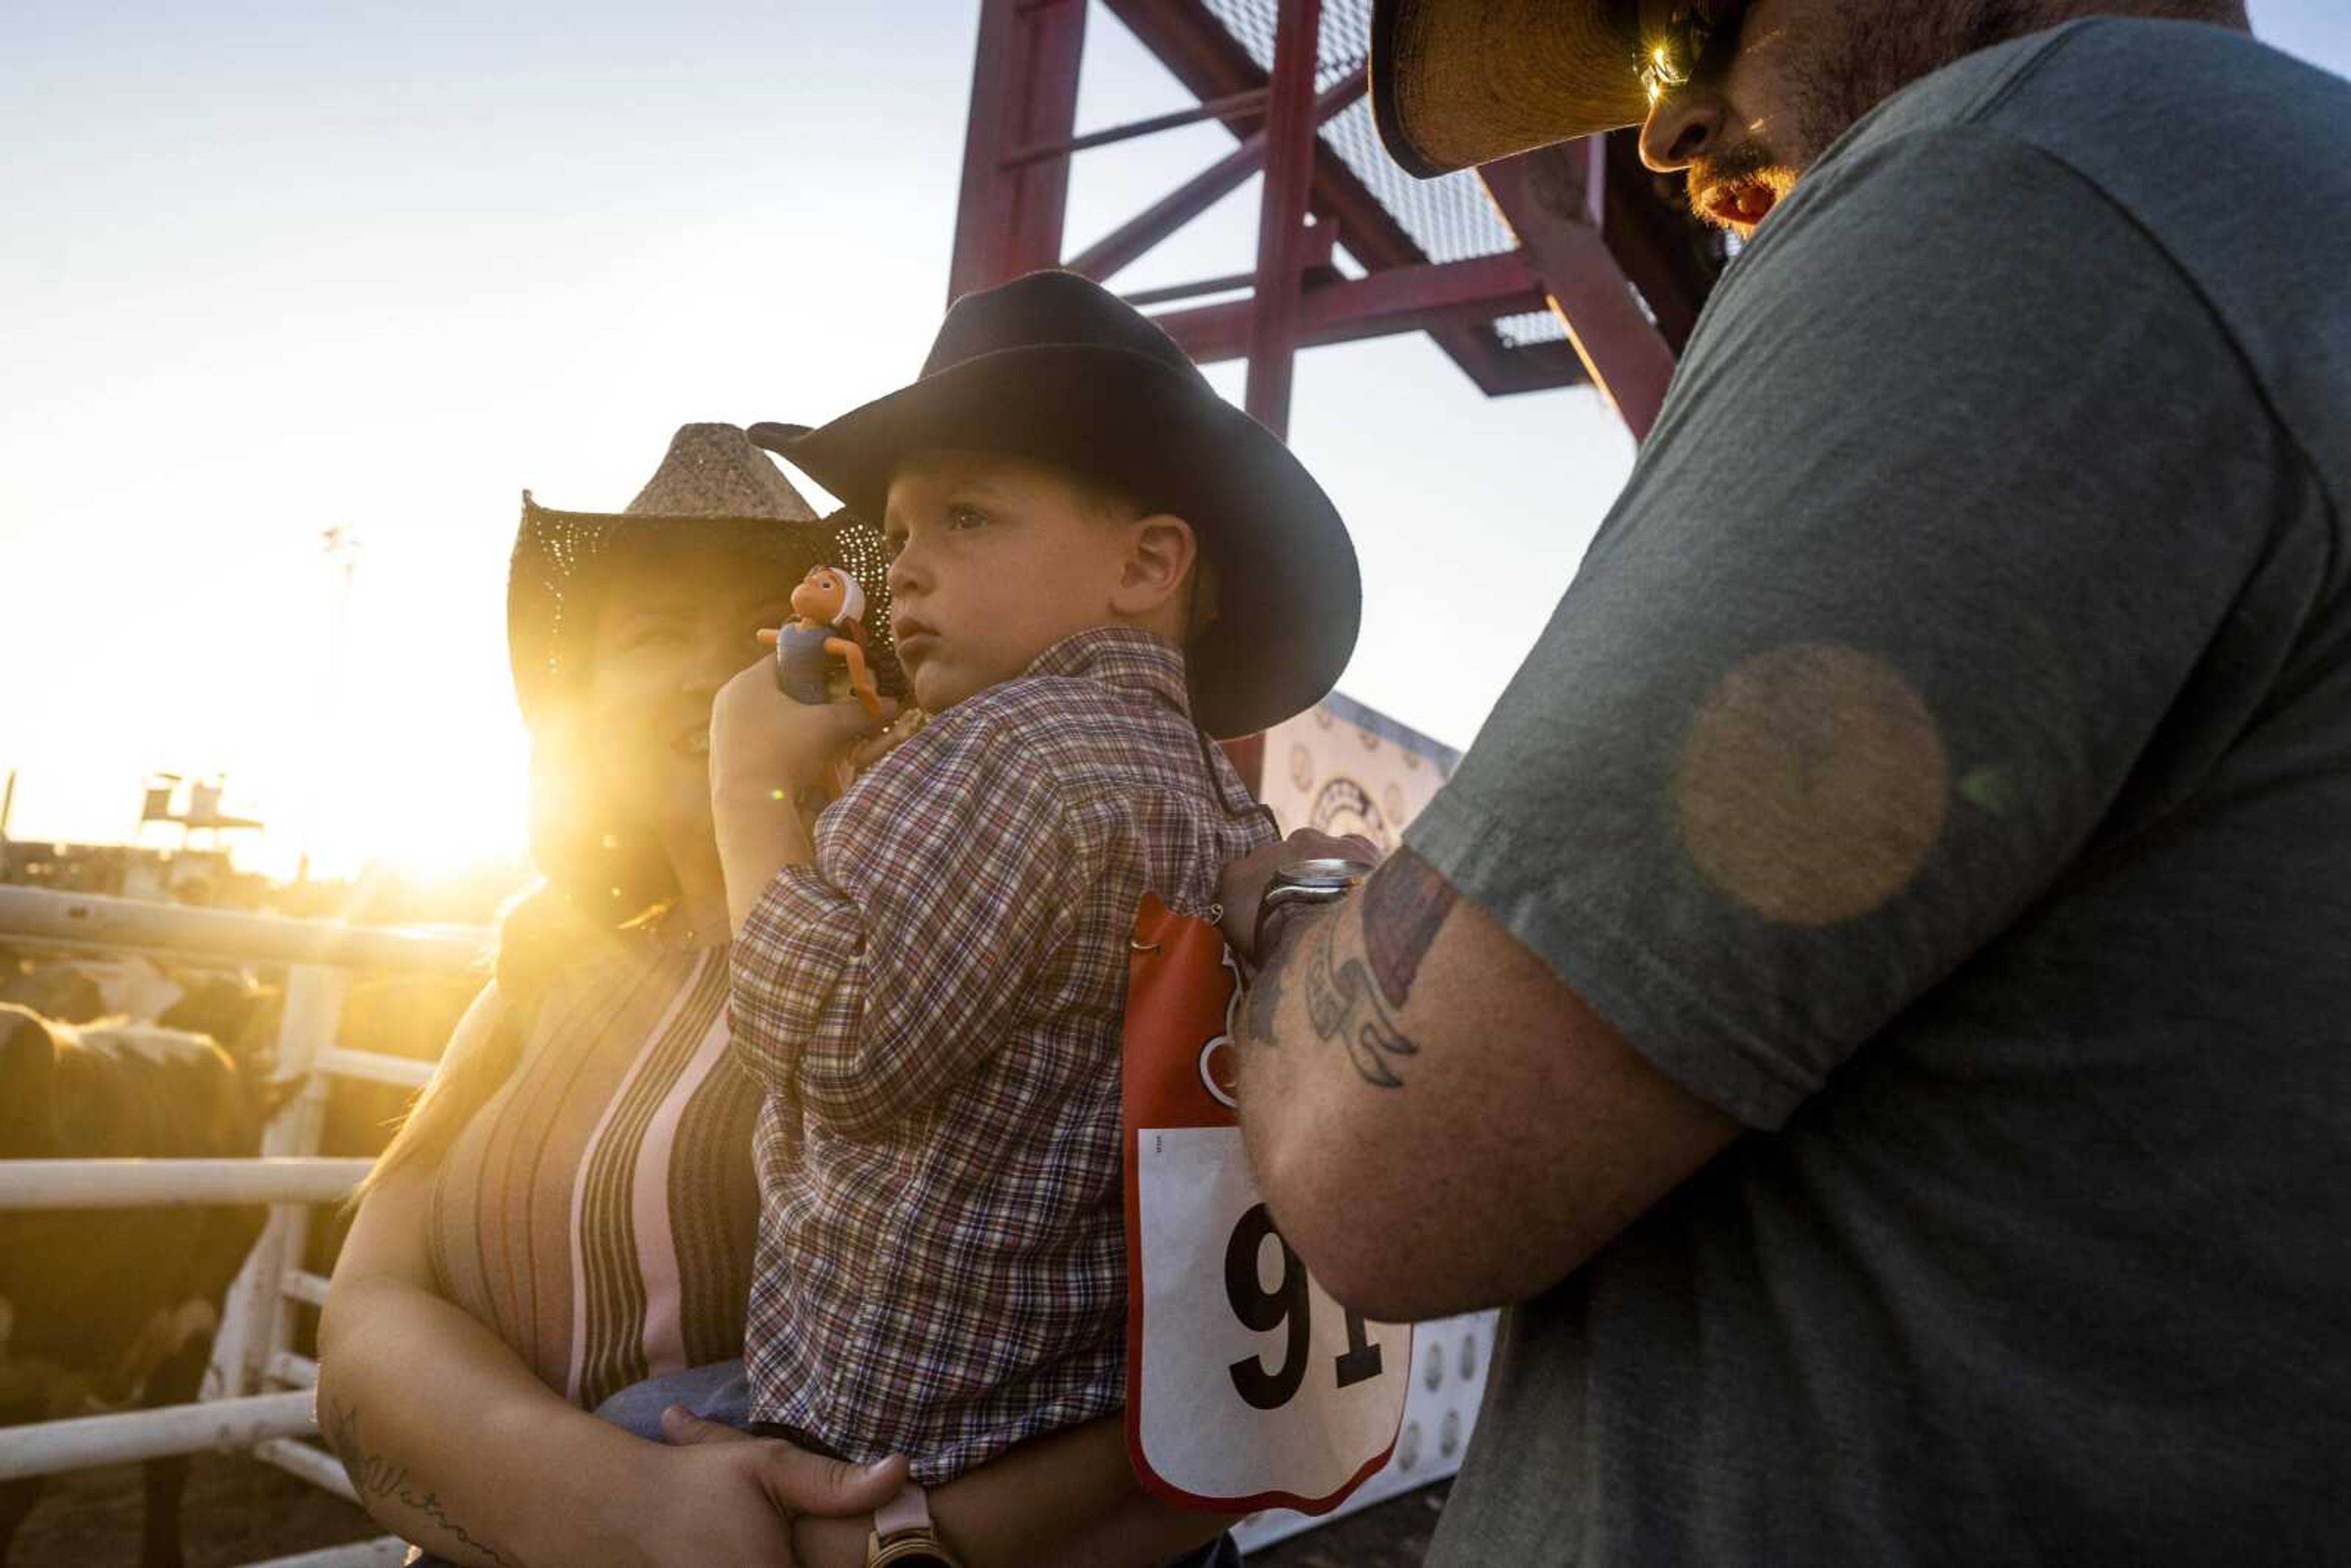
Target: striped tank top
{"points": [[597, 1213]]}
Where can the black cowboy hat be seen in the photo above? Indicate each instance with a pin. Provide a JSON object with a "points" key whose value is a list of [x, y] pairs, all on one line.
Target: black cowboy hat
{"points": [[1458, 82], [715, 493], [1057, 368]]}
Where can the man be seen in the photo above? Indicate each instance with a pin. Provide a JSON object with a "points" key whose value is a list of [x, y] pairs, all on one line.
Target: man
{"points": [[1874, 996]]}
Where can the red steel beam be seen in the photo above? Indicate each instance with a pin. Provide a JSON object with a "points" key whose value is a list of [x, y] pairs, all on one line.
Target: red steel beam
{"points": [[1227, 284], [978, 214], [1537, 367], [1282, 241], [1131, 239], [1671, 258], [1316, 267], [1024, 94], [1431, 296], [1554, 200], [1240, 106], [1498, 370]]}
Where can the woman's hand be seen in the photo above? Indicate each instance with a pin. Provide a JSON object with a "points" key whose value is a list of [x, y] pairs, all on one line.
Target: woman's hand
{"points": [[765, 748], [761, 740], [718, 1495], [902, 730], [1242, 887]]}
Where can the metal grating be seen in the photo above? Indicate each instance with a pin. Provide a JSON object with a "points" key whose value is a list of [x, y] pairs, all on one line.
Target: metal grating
{"points": [[1346, 33], [1534, 326], [1451, 217]]}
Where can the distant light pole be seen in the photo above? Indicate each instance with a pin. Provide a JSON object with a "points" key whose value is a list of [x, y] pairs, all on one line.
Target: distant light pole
{"points": [[342, 546]]}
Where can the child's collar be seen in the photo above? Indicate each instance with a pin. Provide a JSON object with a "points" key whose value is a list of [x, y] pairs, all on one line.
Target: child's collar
{"points": [[1120, 656]]}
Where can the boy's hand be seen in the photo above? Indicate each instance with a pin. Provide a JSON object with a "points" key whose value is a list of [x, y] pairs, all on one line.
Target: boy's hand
{"points": [[761, 740]]}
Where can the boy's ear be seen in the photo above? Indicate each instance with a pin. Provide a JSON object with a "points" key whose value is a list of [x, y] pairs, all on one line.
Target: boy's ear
{"points": [[1161, 553]]}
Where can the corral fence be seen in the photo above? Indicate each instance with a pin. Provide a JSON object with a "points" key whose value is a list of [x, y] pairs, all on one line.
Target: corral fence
{"points": [[257, 1394]]}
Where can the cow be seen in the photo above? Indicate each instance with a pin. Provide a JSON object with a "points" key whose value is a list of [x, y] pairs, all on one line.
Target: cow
{"points": [[113, 1309], [400, 1015], [53, 990], [240, 1014]]}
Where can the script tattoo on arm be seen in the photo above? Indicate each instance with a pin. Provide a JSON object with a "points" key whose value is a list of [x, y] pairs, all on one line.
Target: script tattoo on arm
{"points": [[377, 1476]]}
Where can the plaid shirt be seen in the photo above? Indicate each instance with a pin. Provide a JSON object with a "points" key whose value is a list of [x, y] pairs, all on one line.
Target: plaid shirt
{"points": [[934, 1011]]}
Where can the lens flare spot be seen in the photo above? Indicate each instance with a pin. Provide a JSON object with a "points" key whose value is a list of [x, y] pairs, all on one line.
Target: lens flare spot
{"points": [[1813, 784]]}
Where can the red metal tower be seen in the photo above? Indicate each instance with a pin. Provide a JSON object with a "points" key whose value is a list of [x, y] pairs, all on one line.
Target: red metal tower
{"points": [[1568, 265]]}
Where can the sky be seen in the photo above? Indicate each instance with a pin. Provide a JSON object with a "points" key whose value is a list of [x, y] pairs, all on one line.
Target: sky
{"points": [[274, 267]]}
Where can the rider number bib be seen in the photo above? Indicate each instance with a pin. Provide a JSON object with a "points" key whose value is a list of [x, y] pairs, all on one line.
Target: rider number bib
{"points": [[1248, 1386]]}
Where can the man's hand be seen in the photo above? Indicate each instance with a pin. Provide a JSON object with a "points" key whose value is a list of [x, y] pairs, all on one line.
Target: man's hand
{"points": [[1242, 887], [761, 740], [723, 1495]]}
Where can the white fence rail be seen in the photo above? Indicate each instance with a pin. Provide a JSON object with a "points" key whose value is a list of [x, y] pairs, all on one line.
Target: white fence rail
{"points": [[85, 1441], [258, 1389], [174, 1183], [89, 920]]}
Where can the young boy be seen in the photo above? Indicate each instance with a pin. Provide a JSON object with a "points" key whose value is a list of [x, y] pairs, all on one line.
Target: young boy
{"points": [[1094, 559]]}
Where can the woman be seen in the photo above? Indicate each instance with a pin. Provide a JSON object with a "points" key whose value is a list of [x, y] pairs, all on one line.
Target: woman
{"points": [[570, 1209]]}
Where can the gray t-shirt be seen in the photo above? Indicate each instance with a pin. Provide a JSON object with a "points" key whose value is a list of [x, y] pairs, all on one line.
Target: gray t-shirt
{"points": [[1942, 763]]}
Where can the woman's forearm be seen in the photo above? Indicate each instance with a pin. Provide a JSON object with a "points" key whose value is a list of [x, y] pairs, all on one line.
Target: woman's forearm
{"points": [[1067, 1501], [451, 1441], [759, 832]]}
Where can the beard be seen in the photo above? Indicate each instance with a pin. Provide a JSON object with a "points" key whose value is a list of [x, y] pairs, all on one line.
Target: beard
{"points": [[1864, 64]]}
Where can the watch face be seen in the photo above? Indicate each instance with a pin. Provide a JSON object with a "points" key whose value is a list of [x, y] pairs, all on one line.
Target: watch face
{"points": [[1327, 873]]}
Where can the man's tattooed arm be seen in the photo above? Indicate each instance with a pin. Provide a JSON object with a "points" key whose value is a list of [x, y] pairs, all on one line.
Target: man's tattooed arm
{"points": [[375, 1476], [1359, 1001]]}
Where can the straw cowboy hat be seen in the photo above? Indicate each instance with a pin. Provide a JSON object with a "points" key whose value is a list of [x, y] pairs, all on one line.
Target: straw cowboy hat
{"points": [[1458, 82], [715, 493], [1055, 367]]}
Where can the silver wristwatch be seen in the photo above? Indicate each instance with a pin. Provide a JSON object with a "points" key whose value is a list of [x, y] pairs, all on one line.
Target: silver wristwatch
{"points": [[1299, 882]]}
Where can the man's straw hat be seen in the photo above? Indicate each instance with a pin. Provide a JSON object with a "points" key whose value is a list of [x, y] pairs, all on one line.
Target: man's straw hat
{"points": [[1458, 82], [715, 493]]}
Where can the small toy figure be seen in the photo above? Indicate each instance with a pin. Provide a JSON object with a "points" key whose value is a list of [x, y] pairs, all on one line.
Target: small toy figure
{"points": [[805, 645]]}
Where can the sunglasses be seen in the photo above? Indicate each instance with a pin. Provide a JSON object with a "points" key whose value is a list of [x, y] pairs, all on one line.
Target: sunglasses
{"points": [[1692, 29]]}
